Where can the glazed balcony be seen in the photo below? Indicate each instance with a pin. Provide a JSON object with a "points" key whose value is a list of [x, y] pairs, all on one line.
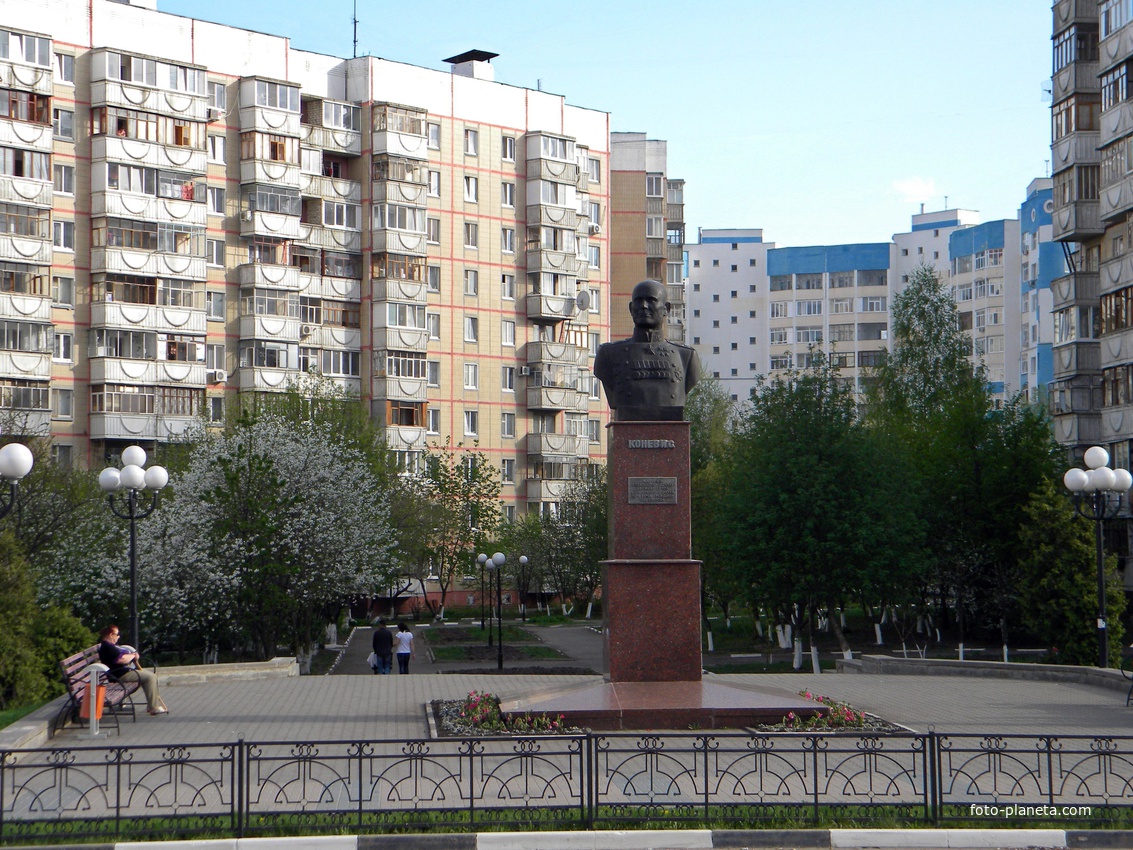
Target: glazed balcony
{"points": [[143, 153], [146, 263], [150, 317], [269, 276], [1077, 221], [140, 426], [555, 446], [556, 354], [118, 370], [331, 139]]}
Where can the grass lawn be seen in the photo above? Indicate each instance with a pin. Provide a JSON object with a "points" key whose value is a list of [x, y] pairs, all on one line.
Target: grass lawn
{"points": [[10, 715], [470, 643]]}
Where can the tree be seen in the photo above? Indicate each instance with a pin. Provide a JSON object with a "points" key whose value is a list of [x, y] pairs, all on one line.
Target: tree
{"points": [[258, 547], [819, 507], [463, 491], [583, 528], [1058, 591]]}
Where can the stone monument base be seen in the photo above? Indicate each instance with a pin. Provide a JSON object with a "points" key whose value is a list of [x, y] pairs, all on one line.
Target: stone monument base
{"points": [[613, 706]]}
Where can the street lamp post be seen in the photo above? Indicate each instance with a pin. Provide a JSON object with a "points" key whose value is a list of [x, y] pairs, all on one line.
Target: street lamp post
{"points": [[523, 599], [499, 559], [15, 462], [122, 488], [1097, 496], [482, 560]]}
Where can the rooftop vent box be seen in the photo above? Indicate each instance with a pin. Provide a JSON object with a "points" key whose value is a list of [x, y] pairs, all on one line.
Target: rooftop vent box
{"points": [[474, 63]]}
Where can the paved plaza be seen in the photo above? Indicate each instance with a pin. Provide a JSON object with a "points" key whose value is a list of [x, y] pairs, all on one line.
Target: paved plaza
{"points": [[353, 704]]}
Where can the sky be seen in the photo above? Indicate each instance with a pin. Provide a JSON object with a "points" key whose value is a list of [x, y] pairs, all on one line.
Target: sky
{"points": [[823, 122]]}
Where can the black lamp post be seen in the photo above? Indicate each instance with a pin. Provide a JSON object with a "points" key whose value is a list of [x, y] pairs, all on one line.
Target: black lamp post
{"points": [[1097, 496], [15, 462], [482, 560], [498, 560], [122, 488]]}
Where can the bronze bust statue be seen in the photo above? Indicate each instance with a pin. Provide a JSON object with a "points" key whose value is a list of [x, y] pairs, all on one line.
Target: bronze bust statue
{"points": [[646, 377]]}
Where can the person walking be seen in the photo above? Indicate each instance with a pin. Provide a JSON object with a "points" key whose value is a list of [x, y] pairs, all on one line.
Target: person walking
{"points": [[383, 648], [404, 641]]}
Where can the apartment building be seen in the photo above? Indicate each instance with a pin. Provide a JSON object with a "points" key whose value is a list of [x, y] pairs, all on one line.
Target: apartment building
{"points": [[1041, 262], [196, 211], [647, 229], [926, 241]]}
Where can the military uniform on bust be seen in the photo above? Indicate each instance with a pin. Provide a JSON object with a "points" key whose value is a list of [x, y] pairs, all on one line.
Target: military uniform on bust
{"points": [[646, 377]]}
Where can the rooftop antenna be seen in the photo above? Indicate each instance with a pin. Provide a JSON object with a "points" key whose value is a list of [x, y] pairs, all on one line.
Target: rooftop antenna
{"points": [[355, 29]]}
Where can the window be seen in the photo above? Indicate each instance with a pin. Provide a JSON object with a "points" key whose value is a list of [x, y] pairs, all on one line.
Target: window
{"points": [[471, 190], [507, 425], [64, 179], [434, 184], [63, 404], [217, 148], [873, 304], [471, 235], [596, 215], [507, 240], [654, 185], [781, 361], [64, 68], [216, 201], [507, 287], [471, 376], [507, 333], [594, 167], [64, 347], [63, 291], [507, 149], [433, 324], [433, 278], [433, 133], [433, 231], [433, 420], [779, 336], [214, 252], [471, 423], [471, 282], [778, 309], [337, 214], [507, 194], [507, 470], [63, 235], [471, 329], [471, 142], [808, 308], [841, 305], [655, 227], [214, 306], [218, 96], [507, 379], [433, 373], [63, 124], [595, 256]]}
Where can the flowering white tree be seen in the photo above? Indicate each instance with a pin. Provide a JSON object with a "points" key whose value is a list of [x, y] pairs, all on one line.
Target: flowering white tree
{"points": [[272, 527]]}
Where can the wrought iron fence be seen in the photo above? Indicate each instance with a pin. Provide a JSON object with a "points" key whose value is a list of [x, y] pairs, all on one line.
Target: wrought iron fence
{"points": [[584, 781]]}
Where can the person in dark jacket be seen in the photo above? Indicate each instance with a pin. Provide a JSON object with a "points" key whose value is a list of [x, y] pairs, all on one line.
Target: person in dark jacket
{"points": [[383, 648], [124, 665]]}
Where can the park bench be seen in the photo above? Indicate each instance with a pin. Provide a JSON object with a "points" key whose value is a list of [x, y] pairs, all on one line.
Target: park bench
{"points": [[117, 697]]}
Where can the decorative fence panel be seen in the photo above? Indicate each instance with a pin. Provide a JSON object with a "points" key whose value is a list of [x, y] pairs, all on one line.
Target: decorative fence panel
{"points": [[581, 781]]}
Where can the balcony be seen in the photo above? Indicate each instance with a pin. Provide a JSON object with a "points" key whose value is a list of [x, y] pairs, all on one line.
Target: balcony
{"points": [[400, 389], [405, 438], [19, 134], [25, 249], [23, 190], [1117, 199], [396, 192], [139, 426], [330, 188], [330, 336], [1076, 78], [546, 489], [398, 131], [556, 398], [269, 224], [140, 152], [148, 208], [397, 289], [1080, 148], [1115, 274], [550, 216], [675, 253], [24, 422], [552, 169], [270, 171], [674, 213], [179, 104], [1079, 288], [550, 308], [1077, 221], [337, 288], [400, 339], [1116, 423], [399, 242], [26, 365], [269, 379], [558, 262], [337, 239], [150, 317], [331, 139], [556, 446], [1077, 357], [1067, 12], [25, 308], [269, 276], [35, 78], [147, 263], [267, 119], [655, 247], [117, 370], [277, 328], [556, 354]]}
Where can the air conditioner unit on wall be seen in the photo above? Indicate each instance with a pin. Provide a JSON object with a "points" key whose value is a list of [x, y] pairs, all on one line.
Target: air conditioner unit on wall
{"points": [[215, 114], [524, 371], [217, 376], [246, 215], [306, 330], [595, 229]]}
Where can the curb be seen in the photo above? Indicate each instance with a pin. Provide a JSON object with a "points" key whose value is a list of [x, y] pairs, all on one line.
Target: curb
{"points": [[653, 839]]}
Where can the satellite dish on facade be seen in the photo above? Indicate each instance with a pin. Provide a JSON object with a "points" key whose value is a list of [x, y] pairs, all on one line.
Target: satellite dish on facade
{"points": [[582, 300]]}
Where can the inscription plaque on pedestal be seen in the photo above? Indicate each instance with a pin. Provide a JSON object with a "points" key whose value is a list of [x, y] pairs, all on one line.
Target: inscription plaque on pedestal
{"points": [[652, 491]]}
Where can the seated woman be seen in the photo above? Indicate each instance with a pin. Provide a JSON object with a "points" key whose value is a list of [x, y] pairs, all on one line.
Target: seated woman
{"points": [[120, 660]]}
